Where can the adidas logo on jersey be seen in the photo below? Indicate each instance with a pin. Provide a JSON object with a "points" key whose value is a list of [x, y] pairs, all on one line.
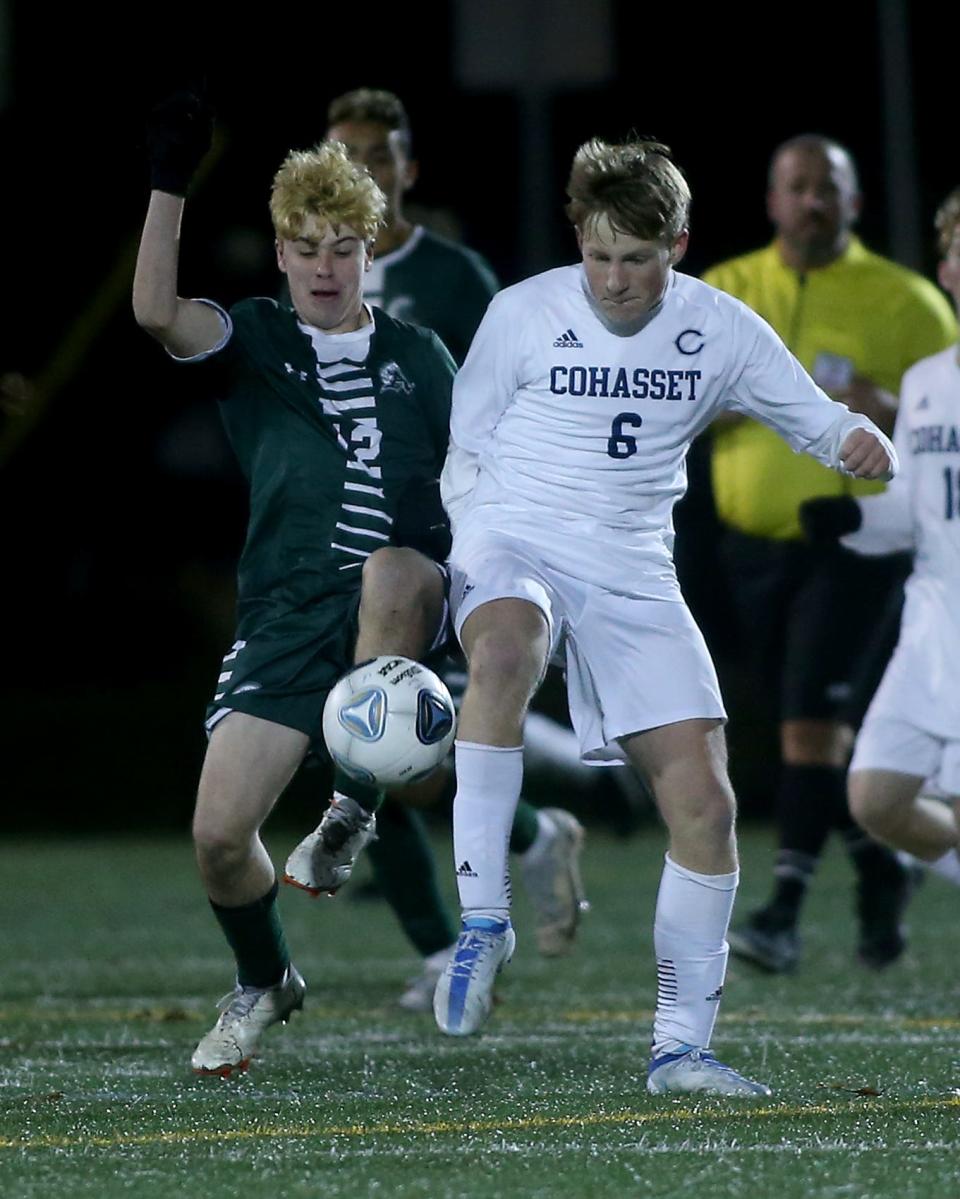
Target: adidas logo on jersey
{"points": [[924, 403], [568, 340], [464, 870]]}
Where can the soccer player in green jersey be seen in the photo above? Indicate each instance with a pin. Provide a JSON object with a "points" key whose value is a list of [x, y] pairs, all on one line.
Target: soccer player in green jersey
{"points": [[339, 417]]}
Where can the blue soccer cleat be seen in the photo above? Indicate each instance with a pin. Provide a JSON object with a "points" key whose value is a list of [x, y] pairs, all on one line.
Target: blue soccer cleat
{"points": [[697, 1071], [464, 994]]}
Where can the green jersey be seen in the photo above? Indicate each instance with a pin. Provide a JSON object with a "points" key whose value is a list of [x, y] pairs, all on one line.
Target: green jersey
{"points": [[332, 432], [436, 283]]}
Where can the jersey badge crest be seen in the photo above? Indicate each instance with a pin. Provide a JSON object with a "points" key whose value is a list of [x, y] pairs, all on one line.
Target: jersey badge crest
{"points": [[392, 378]]}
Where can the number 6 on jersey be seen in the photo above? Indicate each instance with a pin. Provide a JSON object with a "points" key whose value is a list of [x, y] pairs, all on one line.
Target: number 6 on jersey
{"points": [[620, 444]]}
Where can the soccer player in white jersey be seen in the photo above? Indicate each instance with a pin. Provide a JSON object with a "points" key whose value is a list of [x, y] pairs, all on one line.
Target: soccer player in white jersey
{"points": [[908, 749], [571, 419]]}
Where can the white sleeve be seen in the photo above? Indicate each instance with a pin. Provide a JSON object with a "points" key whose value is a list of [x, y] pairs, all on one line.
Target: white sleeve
{"points": [[773, 387], [887, 519], [227, 333], [482, 389]]}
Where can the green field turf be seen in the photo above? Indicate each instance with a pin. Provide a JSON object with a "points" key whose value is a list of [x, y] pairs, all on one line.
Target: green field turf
{"points": [[111, 967]]}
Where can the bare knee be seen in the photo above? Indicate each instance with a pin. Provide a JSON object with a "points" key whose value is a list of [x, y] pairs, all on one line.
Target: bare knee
{"points": [[395, 576], [875, 809], [705, 813], [223, 850], [505, 663], [815, 742]]}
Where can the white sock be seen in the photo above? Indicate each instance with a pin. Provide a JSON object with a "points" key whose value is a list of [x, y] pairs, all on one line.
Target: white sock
{"points": [[689, 937], [489, 779], [947, 867]]}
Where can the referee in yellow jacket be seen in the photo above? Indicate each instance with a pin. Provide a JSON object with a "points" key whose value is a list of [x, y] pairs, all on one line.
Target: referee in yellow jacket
{"points": [[856, 322]]}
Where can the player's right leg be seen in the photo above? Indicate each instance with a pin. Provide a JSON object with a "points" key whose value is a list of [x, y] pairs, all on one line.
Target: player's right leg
{"points": [[507, 642], [402, 611], [248, 764]]}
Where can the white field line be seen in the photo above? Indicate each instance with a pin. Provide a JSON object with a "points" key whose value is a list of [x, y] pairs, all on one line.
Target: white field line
{"points": [[188, 1010]]}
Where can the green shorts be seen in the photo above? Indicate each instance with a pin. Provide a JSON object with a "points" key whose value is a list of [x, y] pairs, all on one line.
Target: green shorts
{"points": [[284, 670]]}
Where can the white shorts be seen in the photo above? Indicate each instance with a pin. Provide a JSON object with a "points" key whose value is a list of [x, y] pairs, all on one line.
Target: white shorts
{"points": [[889, 743], [631, 664]]}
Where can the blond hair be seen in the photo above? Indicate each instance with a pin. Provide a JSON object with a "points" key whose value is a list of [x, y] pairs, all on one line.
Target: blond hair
{"points": [[947, 220], [634, 184], [324, 183]]}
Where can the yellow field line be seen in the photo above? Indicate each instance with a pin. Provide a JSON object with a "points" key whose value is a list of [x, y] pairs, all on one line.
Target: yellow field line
{"points": [[525, 1124]]}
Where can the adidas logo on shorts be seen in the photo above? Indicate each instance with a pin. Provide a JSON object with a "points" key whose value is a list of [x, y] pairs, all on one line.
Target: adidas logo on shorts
{"points": [[464, 870]]}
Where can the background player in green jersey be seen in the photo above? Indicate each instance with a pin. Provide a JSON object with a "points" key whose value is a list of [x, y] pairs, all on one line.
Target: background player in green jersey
{"points": [[416, 275], [339, 419]]}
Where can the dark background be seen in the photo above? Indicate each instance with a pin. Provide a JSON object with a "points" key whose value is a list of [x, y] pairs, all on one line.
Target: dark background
{"points": [[120, 514]]}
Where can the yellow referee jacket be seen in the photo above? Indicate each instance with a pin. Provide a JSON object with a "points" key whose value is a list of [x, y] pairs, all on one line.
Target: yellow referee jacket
{"points": [[863, 313]]}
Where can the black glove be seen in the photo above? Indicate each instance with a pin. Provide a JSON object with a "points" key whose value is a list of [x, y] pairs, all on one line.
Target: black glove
{"points": [[829, 517], [179, 133], [421, 522]]}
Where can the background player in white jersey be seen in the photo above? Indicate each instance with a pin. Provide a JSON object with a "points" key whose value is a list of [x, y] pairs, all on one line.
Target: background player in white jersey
{"points": [[571, 419], [909, 744]]}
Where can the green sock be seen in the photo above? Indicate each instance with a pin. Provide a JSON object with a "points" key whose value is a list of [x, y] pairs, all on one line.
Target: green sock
{"points": [[525, 827], [255, 935], [403, 866], [369, 798]]}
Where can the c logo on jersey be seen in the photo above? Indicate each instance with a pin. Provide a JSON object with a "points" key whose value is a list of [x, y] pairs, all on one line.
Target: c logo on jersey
{"points": [[690, 341]]}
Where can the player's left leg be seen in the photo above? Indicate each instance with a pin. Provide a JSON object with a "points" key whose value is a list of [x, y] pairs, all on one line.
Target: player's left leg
{"points": [[685, 764]]}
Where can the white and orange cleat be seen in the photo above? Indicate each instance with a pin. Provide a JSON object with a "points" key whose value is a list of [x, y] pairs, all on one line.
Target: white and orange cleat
{"points": [[245, 1014], [324, 859]]}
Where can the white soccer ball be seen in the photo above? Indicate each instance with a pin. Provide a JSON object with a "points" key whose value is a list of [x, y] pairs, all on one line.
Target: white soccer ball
{"points": [[390, 721]]}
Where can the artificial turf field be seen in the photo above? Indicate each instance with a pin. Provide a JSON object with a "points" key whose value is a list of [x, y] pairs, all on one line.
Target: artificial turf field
{"points": [[111, 967]]}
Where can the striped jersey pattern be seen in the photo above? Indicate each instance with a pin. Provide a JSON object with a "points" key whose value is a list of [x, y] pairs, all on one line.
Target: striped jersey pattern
{"points": [[347, 395]]}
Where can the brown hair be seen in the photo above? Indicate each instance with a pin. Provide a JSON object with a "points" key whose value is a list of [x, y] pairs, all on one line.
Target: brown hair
{"points": [[634, 184], [371, 104]]}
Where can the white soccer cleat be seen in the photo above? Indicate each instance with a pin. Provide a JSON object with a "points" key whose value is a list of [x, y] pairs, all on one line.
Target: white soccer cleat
{"points": [[552, 882], [323, 861], [418, 997], [245, 1014], [464, 994], [695, 1071]]}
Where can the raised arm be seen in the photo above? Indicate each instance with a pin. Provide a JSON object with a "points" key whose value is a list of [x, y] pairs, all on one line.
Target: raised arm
{"points": [[179, 135]]}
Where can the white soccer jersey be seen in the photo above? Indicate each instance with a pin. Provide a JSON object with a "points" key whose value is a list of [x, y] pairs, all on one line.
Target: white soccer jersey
{"points": [[573, 438], [920, 511]]}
